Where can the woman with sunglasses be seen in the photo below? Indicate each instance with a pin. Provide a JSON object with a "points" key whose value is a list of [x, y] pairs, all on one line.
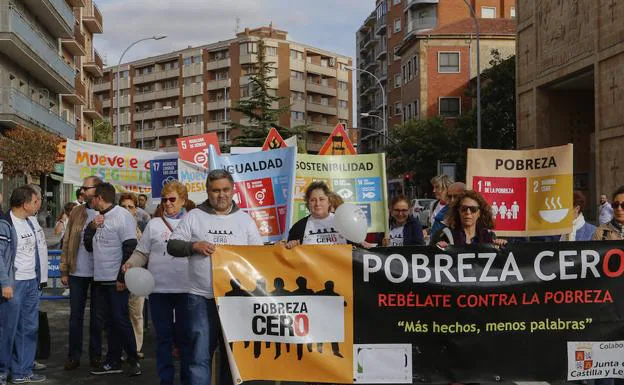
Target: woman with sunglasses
{"points": [[470, 222], [405, 229], [613, 230], [169, 297]]}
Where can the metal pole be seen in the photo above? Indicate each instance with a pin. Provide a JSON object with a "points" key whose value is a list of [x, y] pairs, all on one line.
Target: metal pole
{"points": [[224, 115], [143, 133], [476, 22], [383, 107]]}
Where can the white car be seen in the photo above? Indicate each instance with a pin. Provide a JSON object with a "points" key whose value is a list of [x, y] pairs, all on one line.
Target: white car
{"points": [[420, 210]]}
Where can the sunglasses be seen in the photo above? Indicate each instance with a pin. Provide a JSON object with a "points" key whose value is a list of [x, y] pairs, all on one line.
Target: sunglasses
{"points": [[85, 188], [170, 199], [472, 209], [128, 207], [617, 204]]}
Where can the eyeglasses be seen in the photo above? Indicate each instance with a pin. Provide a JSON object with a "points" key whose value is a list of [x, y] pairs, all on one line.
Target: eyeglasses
{"points": [[85, 188], [617, 204], [402, 211], [170, 199], [472, 209], [128, 207]]}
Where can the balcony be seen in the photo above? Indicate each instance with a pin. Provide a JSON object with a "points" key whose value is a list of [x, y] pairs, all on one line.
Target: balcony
{"points": [[320, 127], [79, 95], [370, 65], [320, 88], [321, 108], [216, 125], [247, 59], [93, 109], [216, 64], [371, 42], [56, 15], [297, 85], [193, 89], [219, 104], [168, 131], [217, 84], [94, 65], [167, 74], [381, 27], [92, 19], [192, 129], [125, 119], [192, 109], [420, 23], [154, 95], [382, 53], [15, 104], [157, 113], [297, 105], [103, 86], [321, 70], [32, 52], [76, 44], [410, 4]]}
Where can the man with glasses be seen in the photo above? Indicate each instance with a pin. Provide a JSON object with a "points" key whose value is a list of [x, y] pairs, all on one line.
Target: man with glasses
{"points": [[77, 272], [21, 271], [111, 236]]}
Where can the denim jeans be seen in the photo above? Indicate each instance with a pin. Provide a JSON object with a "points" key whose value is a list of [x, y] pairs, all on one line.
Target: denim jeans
{"points": [[78, 290], [19, 324], [113, 307], [164, 306], [205, 336]]}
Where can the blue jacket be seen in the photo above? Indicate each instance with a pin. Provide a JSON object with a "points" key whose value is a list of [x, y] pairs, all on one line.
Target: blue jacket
{"points": [[412, 232], [8, 250], [585, 233], [437, 224]]}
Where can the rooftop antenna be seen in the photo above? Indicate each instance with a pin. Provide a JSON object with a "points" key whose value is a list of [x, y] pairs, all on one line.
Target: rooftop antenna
{"points": [[237, 25]]}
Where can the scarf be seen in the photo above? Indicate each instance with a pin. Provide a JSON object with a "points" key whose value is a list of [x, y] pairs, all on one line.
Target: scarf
{"points": [[618, 226], [576, 226], [179, 215]]}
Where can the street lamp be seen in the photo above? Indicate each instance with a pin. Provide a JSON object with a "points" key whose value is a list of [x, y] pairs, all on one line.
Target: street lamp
{"points": [[383, 94], [476, 22], [117, 81]]}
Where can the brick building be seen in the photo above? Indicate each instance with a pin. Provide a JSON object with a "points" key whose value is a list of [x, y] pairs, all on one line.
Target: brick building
{"points": [[400, 37], [570, 86]]}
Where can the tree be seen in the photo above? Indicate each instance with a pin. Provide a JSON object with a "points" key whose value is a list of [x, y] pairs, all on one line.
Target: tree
{"points": [[27, 151], [257, 107], [102, 132]]}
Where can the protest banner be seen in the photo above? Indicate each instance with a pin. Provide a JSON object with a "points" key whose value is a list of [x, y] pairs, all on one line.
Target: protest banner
{"points": [[359, 179], [164, 170], [338, 143], [263, 187], [194, 149], [128, 169], [530, 191], [531, 312], [193, 176]]}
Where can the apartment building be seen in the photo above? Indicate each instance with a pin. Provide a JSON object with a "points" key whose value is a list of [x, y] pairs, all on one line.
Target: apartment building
{"points": [[192, 91], [394, 43], [48, 65]]}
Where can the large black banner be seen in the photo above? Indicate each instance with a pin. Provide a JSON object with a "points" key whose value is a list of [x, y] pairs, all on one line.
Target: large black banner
{"points": [[477, 314]]}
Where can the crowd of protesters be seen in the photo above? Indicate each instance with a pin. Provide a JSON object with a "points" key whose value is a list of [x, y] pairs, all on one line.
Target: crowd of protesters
{"points": [[103, 237]]}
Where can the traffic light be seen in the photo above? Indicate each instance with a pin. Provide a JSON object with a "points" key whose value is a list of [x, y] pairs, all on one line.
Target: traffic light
{"points": [[407, 180]]}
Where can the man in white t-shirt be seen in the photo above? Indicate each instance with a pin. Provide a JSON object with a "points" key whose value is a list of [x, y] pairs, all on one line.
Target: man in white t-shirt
{"points": [[20, 281], [217, 221], [111, 236]]}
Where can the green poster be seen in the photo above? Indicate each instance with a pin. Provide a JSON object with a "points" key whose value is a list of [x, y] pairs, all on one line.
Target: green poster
{"points": [[359, 179]]}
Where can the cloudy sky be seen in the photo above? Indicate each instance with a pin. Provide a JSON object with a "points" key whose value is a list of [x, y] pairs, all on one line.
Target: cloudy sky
{"points": [[327, 24]]}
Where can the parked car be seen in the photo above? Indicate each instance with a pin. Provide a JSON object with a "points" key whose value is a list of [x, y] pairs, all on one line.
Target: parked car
{"points": [[421, 208]]}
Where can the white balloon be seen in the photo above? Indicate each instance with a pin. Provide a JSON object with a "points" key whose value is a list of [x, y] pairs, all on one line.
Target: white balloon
{"points": [[351, 222], [140, 281]]}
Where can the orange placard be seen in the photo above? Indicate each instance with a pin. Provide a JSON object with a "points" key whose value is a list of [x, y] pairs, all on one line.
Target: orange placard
{"points": [[273, 141], [338, 143]]}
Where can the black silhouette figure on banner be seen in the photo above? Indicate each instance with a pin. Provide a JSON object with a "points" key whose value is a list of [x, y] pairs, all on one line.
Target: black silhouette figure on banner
{"points": [[302, 289], [329, 291], [237, 291], [259, 291], [278, 283]]}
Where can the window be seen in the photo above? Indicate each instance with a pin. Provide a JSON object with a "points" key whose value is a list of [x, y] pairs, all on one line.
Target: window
{"points": [[397, 25], [296, 96], [324, 102], [246, 91], [396, 2], [343, 104], [396, 56], [449, 107], [248, 48], [188, 81], [270, 51], [297, 75], [296, 115], [410, 70], [397, 80], [398, 109], [381, 10], [188, 120], [324, 63], [488, 12], [197, 59], [220, 55], [343, 86], [342, 66], [448, 62], [512, 12], [124, 74], [415, 61], [296, 55], [221, 75], [188, 61]]}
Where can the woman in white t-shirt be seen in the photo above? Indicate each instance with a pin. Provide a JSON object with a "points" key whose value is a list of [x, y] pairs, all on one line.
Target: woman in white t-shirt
{"points": [[168, 301]]}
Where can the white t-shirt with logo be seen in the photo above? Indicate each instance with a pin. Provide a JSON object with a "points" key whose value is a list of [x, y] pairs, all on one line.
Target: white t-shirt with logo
{"points": [[322, 232], [119, 226], [25, 263], [170, 274], [84, 259], [233, 229], [396, 237]]}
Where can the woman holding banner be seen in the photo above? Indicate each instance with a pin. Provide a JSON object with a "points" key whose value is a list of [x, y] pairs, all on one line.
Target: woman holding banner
{"points": [[613, 230], [405, 229], [168, 301], [470, 222]]}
